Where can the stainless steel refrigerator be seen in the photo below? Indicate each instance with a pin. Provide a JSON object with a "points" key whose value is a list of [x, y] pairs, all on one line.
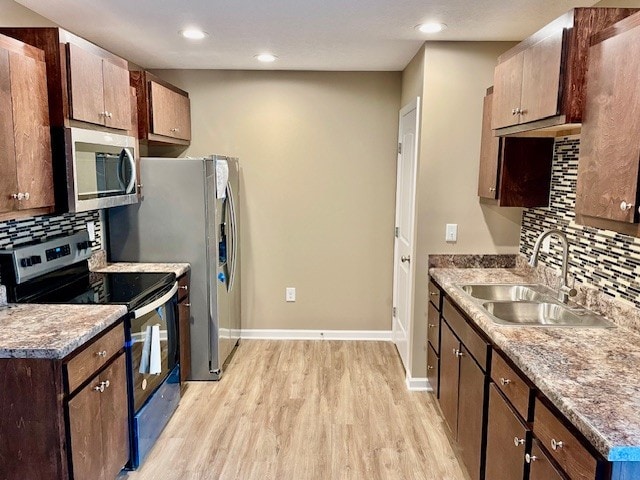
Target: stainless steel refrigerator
{"points": [[190, 213]]}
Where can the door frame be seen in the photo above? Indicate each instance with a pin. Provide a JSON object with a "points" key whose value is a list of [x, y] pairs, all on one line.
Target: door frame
{"points": [[413, 104]]}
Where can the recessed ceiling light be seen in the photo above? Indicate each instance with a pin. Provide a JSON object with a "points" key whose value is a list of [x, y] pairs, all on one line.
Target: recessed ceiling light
{"points": [[266, 57], [431, 27], [193, 33]]}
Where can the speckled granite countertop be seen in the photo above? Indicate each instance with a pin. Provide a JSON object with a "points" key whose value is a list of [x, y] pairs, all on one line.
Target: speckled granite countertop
{"points": [[52, 331], [591, 375], [177, 268], [3, 295]]}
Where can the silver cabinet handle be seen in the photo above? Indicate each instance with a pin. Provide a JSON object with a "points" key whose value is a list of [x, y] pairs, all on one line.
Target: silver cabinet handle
{"points": [[492, 189], [504, 381], [625, 207], [106, 383], [514, 111], [103, 353], [405, 258], [556, 445], [432, 325], [20, 196], [429, 367], [100, 388], [518, 441], [186, 304], [530, 458], [184, 287], [458, 353], [434, 294]]}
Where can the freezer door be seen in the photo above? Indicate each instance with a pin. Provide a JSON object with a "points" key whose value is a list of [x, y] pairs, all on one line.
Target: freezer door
{"points": [[233, 195]]}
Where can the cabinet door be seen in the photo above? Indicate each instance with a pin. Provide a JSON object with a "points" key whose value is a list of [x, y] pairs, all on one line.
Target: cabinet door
{"points": [[8, 179], [541, 79], [31, 130], [471, 394], [506, 438], [449, 372], [610, 144], [489, 149], [184, 326], [86, 86], [433, 369], [117, 96], [541, 466], [170, 112], [507, 90], [114, 418], [85, 425]]}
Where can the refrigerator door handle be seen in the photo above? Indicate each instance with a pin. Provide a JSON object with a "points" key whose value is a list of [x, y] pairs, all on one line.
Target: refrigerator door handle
{"points": [[234, 234]]}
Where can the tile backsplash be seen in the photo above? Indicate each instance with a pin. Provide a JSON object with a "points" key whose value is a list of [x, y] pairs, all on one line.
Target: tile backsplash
{"points": [[16, 232], [604, 259]]}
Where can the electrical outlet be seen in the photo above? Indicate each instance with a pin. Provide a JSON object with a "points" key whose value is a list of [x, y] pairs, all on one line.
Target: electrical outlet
{"points": [[546, 245], [290, 294], [451, 233]]}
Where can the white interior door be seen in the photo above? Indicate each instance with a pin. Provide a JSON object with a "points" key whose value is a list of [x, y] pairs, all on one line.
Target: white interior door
{"points": [[403, 269]]}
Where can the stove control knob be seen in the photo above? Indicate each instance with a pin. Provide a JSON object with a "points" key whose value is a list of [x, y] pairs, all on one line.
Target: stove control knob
{"points": [[36, 259], [84, 245], [26, 262]]}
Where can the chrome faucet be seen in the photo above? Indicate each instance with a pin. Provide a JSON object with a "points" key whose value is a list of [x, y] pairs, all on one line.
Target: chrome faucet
{"points": [[564, 292]]}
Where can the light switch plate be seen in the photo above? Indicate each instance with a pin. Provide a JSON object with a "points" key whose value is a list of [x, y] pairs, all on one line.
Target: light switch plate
{"points": [[451, 233]]}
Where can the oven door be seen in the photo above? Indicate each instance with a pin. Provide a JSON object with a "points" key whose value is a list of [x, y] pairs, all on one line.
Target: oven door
{"points": [[154, 345]]}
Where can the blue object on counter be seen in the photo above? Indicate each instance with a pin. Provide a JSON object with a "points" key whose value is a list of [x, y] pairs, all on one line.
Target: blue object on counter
{"points": [[221, 277], [149, 422]]}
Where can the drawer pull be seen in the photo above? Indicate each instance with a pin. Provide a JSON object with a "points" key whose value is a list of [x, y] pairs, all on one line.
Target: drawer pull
{"points": [[458, 353], [103, 353], [434, 294], [100, 388], [518, 441], [432, 325], [429, 367], [556, 445], [530, 458], [504, 381], [184, 287], [186, 304]]}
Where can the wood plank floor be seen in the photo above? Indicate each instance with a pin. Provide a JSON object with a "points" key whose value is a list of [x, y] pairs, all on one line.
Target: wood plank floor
{"points": [[305, 410]]}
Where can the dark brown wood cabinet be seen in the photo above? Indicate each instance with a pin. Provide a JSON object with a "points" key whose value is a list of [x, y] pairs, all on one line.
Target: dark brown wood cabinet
{"points": [[540, 82], [541, 467], [608, 171], [26, 172], [514, 170], [464, 357], [507, 440], [164, 111], [434, 307], [65, 431], [98, 425], [184, 327]]}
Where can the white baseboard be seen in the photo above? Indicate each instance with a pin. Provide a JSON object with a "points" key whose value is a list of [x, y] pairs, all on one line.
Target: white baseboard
{"points": [[282, 334], [418, 384]]}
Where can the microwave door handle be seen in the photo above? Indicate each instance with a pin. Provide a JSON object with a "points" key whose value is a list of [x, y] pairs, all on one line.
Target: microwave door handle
{"points": [[132, 162], [157, 303]]}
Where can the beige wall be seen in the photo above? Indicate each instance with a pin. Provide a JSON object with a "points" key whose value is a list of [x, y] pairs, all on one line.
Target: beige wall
{"points": [[318, 154], [456, 75], [413, 78], [13, 14], [619, 3]]}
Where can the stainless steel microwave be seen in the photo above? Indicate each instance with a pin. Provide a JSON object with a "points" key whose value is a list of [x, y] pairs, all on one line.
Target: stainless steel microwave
{"points": [[101, 169]]}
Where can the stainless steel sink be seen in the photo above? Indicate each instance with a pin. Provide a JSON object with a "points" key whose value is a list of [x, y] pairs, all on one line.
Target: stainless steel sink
{"points": [[543, 314], [504, 292], [531, 305]]}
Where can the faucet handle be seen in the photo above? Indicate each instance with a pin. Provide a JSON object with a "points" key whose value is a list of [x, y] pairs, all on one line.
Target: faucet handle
{"points": [[570, 291]]}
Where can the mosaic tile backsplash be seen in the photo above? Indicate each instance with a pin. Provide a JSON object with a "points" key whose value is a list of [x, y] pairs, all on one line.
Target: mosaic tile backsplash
{"points": [[16, 232], [607, 260]]}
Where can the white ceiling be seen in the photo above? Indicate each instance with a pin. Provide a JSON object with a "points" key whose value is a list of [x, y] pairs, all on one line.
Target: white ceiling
{"points": [[304, 34]]}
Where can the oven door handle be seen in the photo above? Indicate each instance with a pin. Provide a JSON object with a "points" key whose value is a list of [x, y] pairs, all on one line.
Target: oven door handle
{"points": [[157, 303]]}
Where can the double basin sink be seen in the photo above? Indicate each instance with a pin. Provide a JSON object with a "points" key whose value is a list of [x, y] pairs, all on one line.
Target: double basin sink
{"points": [[530, 305]]}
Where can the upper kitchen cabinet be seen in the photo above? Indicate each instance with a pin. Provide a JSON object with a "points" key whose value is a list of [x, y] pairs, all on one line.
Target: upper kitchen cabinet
{"points": [[540, 83], [609, 166], [99, 89], [514, 170], [164, 111], [26, 178], [88, 87]]}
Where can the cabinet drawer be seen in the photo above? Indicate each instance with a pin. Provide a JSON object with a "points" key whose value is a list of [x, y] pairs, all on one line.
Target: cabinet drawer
{"points": [[183, 287], [471, 339], [85, 364], [570, 454], [433, 370], [434, 294], [512, 385], [433, 328]]}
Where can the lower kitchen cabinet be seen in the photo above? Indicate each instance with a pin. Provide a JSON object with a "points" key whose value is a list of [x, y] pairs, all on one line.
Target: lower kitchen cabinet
{"points": [[433, 370], [98, 425], [541, 467], [463, 387], [184, 327], [54, 429], [507, 440]]}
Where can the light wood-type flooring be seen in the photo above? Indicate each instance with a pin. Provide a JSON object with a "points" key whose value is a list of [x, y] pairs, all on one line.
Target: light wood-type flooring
{"points": [[305, 410]]}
